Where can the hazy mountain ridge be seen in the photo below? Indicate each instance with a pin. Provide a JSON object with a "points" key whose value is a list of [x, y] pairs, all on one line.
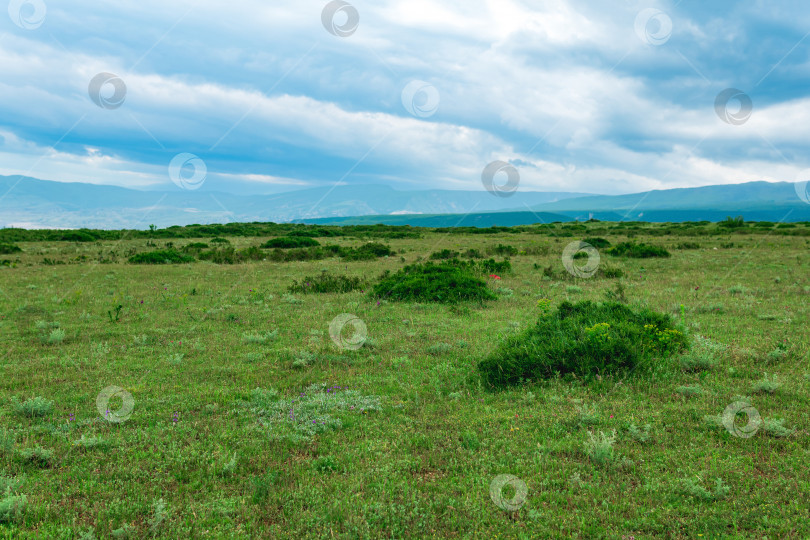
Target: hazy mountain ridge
{"points": [[32, 203]]}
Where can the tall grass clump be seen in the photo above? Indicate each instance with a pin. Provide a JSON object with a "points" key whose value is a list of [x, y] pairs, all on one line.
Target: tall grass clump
{"points": [[441, 283], [584, 339], [326, 283]]}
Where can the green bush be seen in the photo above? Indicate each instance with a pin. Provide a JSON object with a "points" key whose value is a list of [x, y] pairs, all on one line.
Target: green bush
{"points": [[597, 242], [443, 283], [34, 407], [168, 256], [7, 249], [637, 251], [195, 246], [327, 283], [584, 339], [444, 254], [77, 236], [229, 255], [291, 242], [502, 249], [688, 245], [366, 252], [732, 223]]}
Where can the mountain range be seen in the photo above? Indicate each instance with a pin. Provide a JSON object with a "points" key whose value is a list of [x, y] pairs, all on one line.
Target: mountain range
{"points": [[32, 203]]}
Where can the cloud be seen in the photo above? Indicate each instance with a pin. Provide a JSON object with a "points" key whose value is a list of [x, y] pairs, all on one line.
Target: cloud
{"points": [[270, 100]]}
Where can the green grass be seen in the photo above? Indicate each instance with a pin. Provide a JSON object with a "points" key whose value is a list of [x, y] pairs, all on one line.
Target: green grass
{"points": [[205, 455]]}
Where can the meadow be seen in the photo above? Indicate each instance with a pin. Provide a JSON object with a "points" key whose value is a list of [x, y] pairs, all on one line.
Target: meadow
{"points": [[218, 397]]}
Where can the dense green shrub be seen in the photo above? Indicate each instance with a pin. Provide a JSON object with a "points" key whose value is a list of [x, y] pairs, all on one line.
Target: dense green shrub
{"points": [[168, 256], [78, 236], [502, 249], [637, 251], [366, 252], [443, 283], [219, 240], [194, 246], [487, 266], [597, 242], [7, 249], [291, 242], [327, 283], [444, 254], [687, 245], [472, 254], [585, 339], [229, 255], [732, 223]]}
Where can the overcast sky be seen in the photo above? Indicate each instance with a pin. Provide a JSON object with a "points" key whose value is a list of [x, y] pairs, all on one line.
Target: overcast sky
{"points": [[600, 97]]}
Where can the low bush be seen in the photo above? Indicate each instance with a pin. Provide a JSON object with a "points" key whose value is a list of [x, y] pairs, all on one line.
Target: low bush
{"points": [[584, 339], [597, 242], [194, 246], [444, 254], [637, 251], [7, 249], [291, 242], [168, 256], [502, 249], [687, 245], [443, 283], [327, 283], [366, 252], [229, 255]]}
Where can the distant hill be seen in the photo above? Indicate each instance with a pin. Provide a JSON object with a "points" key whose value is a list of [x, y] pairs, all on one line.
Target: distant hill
{"points": [[755, 201], [34, 203]]}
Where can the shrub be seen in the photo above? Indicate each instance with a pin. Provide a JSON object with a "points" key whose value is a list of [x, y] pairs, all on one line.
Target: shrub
{"points": [[219, 240], [11, 507], [7, 249], [366, 252], [229, 255], [472, 254], [584, 339], [637, 251], [194, 246], [443, 283], [768, 385], [168, 256], [693, 488], [597, 242], [41, 457], [444, 254], [327, 283], [732, 223], [502, 249], [687, 245], [34, 407], [291, 242]]}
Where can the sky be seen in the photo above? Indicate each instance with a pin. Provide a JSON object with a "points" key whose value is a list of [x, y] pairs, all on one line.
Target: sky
{"points": [[268, 96]]}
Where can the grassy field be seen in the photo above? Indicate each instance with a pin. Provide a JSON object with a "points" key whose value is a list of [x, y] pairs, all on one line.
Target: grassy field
{"points": [[240, 416]]}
